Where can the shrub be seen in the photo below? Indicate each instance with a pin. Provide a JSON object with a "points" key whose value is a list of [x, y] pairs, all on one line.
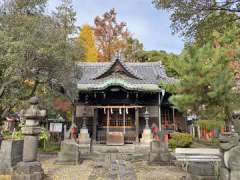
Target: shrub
{"points": [[180, 140], [12, 135], [17, 135], [44, 136]]}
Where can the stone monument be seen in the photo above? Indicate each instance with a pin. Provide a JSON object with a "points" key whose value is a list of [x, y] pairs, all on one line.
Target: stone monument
{"points": [[159, 152], [30, 168], [69, 153]]}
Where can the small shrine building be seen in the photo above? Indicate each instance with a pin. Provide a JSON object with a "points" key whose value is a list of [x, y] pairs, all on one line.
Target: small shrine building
{"points": [[113, 97]]}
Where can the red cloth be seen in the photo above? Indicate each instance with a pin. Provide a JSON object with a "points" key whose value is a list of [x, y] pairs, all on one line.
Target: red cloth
{"points": [[155, 133], [74, 132]]}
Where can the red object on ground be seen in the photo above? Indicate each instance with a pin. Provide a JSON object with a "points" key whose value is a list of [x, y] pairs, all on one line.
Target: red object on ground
{"points": [[74, 132], [222, 130], [155, 133]]}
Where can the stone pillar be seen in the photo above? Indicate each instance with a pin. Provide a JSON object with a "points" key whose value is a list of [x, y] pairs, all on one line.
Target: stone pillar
{"points": [[83, 137], [30, 168]]}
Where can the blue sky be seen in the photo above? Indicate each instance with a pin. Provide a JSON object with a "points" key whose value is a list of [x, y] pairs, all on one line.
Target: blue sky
{"points": [[144, 21]]}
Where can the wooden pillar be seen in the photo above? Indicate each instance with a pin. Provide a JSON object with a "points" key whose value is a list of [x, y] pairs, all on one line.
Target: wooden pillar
{"points": [[174, 122], [159, 112], [95, 119], [124, 120], [137, 124], [108, 120]]}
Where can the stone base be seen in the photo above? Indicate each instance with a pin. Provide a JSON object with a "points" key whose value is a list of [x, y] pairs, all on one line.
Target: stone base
{"points": [[146, 136], [155, 146], [159, 153], [84, 149], [195, 177], [201, 171], [11, 153], [69, 153], [235, 175], [28, 171], [163, 159], [224, 174], [83, 137]]}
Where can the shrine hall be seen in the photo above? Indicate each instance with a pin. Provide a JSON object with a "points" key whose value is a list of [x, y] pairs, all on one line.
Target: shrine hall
{"points": [[114, 96]]}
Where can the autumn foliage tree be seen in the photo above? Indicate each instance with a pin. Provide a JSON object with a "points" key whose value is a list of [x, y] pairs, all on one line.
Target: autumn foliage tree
{"points": [[111, 36], [87, 40]]}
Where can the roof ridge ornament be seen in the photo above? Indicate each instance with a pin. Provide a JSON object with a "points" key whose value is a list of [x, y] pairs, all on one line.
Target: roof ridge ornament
{"points": [[117, 56]]}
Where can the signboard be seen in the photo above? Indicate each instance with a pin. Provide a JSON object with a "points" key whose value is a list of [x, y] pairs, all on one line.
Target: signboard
{"points": [[55, 127]]}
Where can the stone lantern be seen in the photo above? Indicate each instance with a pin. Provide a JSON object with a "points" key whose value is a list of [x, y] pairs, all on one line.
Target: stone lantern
{"points": [[30, 168], [147, 134], [83, 136]]}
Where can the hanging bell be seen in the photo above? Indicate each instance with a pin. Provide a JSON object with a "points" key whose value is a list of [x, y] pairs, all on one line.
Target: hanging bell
{"points": [[127, 110], [120, 111]]}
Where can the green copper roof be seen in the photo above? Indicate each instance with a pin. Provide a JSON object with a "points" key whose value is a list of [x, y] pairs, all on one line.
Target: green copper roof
{"points": [[131, 76], [118, 82]]}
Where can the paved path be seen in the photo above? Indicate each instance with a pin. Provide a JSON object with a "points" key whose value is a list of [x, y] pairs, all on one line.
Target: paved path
{"points": [[110, 166], [113, 166]]}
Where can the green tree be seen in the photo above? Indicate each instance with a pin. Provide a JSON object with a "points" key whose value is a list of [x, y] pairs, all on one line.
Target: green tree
{"points": [[168, 59], [65, 16], [198, 19], [207, 85], [31, 52], [134, 50]]}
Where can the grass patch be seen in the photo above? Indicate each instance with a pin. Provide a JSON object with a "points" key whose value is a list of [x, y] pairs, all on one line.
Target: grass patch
{"points": [[50, 147]]}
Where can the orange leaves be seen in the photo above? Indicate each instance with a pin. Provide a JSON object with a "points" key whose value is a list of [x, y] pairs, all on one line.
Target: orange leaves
{"points": [[29, 82], [62, 105], [111, 36]]}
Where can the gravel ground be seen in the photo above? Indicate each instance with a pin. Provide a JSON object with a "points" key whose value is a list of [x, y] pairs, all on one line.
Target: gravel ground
{"points": [[67, 172], [85, 171], [156, 172]]}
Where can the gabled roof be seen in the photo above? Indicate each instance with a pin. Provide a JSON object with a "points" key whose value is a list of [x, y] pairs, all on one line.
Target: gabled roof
{"points": [[133, 76], [118, 66]]}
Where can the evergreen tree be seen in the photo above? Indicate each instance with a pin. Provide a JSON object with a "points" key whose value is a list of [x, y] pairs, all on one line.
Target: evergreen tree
{"points": [[66, 19], [207, 84], [87, 39]]}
